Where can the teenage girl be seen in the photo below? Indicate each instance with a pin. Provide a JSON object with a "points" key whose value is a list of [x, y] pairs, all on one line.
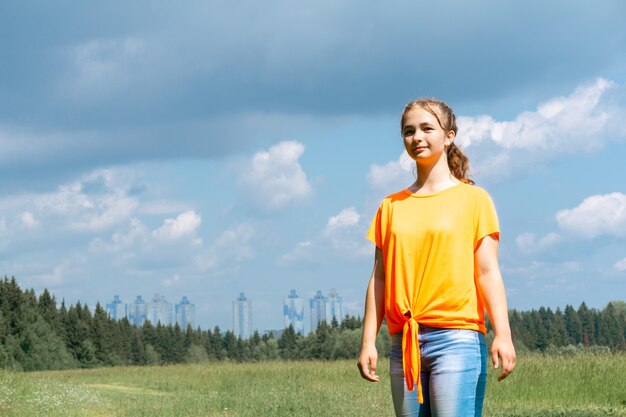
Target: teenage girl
{"points": [[435, 273]]}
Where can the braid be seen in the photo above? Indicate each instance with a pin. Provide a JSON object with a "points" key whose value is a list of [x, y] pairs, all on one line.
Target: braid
{"points": [[458, 163]]}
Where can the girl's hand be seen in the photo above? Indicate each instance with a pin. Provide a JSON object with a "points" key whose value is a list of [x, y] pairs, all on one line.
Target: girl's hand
{"points": [[502, 350], [367, 363]]}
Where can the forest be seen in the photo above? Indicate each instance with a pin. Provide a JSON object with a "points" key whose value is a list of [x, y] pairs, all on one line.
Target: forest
{"points": [[38, 334]]}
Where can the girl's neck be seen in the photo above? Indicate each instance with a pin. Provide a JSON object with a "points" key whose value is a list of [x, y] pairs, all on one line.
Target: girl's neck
{"points": [[433, 178]]}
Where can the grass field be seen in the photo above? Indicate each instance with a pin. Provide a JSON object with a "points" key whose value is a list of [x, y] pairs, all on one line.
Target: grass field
{"points": [[581, 385]]}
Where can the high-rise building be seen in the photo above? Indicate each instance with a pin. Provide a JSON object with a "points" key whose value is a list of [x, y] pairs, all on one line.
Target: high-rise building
{"points": [[318, 309], [325, 308], [159, 311], [334, 307], [116, 309], [242, 317], [293, 311], [185, 313], [138, 312]]}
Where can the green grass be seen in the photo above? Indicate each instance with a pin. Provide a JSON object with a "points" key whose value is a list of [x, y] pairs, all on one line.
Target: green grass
{"points": [[580, 385]]}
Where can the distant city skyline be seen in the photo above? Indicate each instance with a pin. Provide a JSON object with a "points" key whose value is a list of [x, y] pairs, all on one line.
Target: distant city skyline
{"points": [[321, 308], [157, 310]]}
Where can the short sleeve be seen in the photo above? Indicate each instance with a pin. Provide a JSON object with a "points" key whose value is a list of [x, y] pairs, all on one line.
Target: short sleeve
{"points": [[486, 218], [375, 231]]}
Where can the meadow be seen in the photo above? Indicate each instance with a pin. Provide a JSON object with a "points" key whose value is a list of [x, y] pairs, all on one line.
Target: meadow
{"points": [[577, 385]]}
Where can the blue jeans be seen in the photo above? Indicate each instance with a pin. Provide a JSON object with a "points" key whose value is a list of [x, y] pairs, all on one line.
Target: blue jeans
{"points": [[453, 374]]}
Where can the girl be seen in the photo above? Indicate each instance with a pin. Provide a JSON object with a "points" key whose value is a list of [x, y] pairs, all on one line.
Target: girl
{"points": [[435, 272]]}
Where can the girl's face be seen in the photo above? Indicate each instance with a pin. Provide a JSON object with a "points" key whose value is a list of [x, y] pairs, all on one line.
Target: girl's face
{"points": [[424, 139]]}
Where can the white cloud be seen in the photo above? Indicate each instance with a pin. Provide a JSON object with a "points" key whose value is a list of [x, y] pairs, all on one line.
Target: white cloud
{"points": [[99, 216], [528, 242], [121, 241], [575, 121], [345, 219], [343, 236], [274, 178], [303, 252], [106, 211], [93, 203], [473, 130], [231, 247], [184, 225], [392, 176], [55, 276], [162, 207], [597, 215], [137, 249], [345, 233], [620, 266], [27, 219], [581, 122]]}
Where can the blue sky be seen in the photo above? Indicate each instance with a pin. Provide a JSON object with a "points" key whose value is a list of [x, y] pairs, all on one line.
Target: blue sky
{"points": [[206, 148]]}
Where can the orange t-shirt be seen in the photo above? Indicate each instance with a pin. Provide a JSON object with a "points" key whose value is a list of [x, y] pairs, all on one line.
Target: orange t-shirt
{"points": [[428, 243]]}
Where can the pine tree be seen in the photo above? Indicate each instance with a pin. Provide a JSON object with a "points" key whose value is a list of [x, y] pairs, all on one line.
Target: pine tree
{"points": [[122, 336], [62, 322], [229, 344], [137, 349], [588, 325], [517, 330], [161, 345], [175, 344], [547, 318], [541, 335], [28, 341], [207, 340], [242, 350], [12, 306], [252, 351], [189, 338], [148, 334], [573, 325], [287, 343], [320, 345], [559, 336], [41, 348], [217, 346], [101, 335], [614, 336], [48, 308], [77, 340]]}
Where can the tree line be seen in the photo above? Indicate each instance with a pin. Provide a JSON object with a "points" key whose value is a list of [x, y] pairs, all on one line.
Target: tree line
{"points": [[36, 334]]}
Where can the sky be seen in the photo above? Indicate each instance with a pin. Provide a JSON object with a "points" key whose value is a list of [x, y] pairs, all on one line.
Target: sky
{"points": [[206, 148]]}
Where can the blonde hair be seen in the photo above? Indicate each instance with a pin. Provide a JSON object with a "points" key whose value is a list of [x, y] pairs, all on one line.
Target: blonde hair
{"points": [[457, 161]]}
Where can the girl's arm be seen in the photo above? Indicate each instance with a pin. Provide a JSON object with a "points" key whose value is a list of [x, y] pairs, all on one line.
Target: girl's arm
{"points": [[491, 290], [372, 319]]}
